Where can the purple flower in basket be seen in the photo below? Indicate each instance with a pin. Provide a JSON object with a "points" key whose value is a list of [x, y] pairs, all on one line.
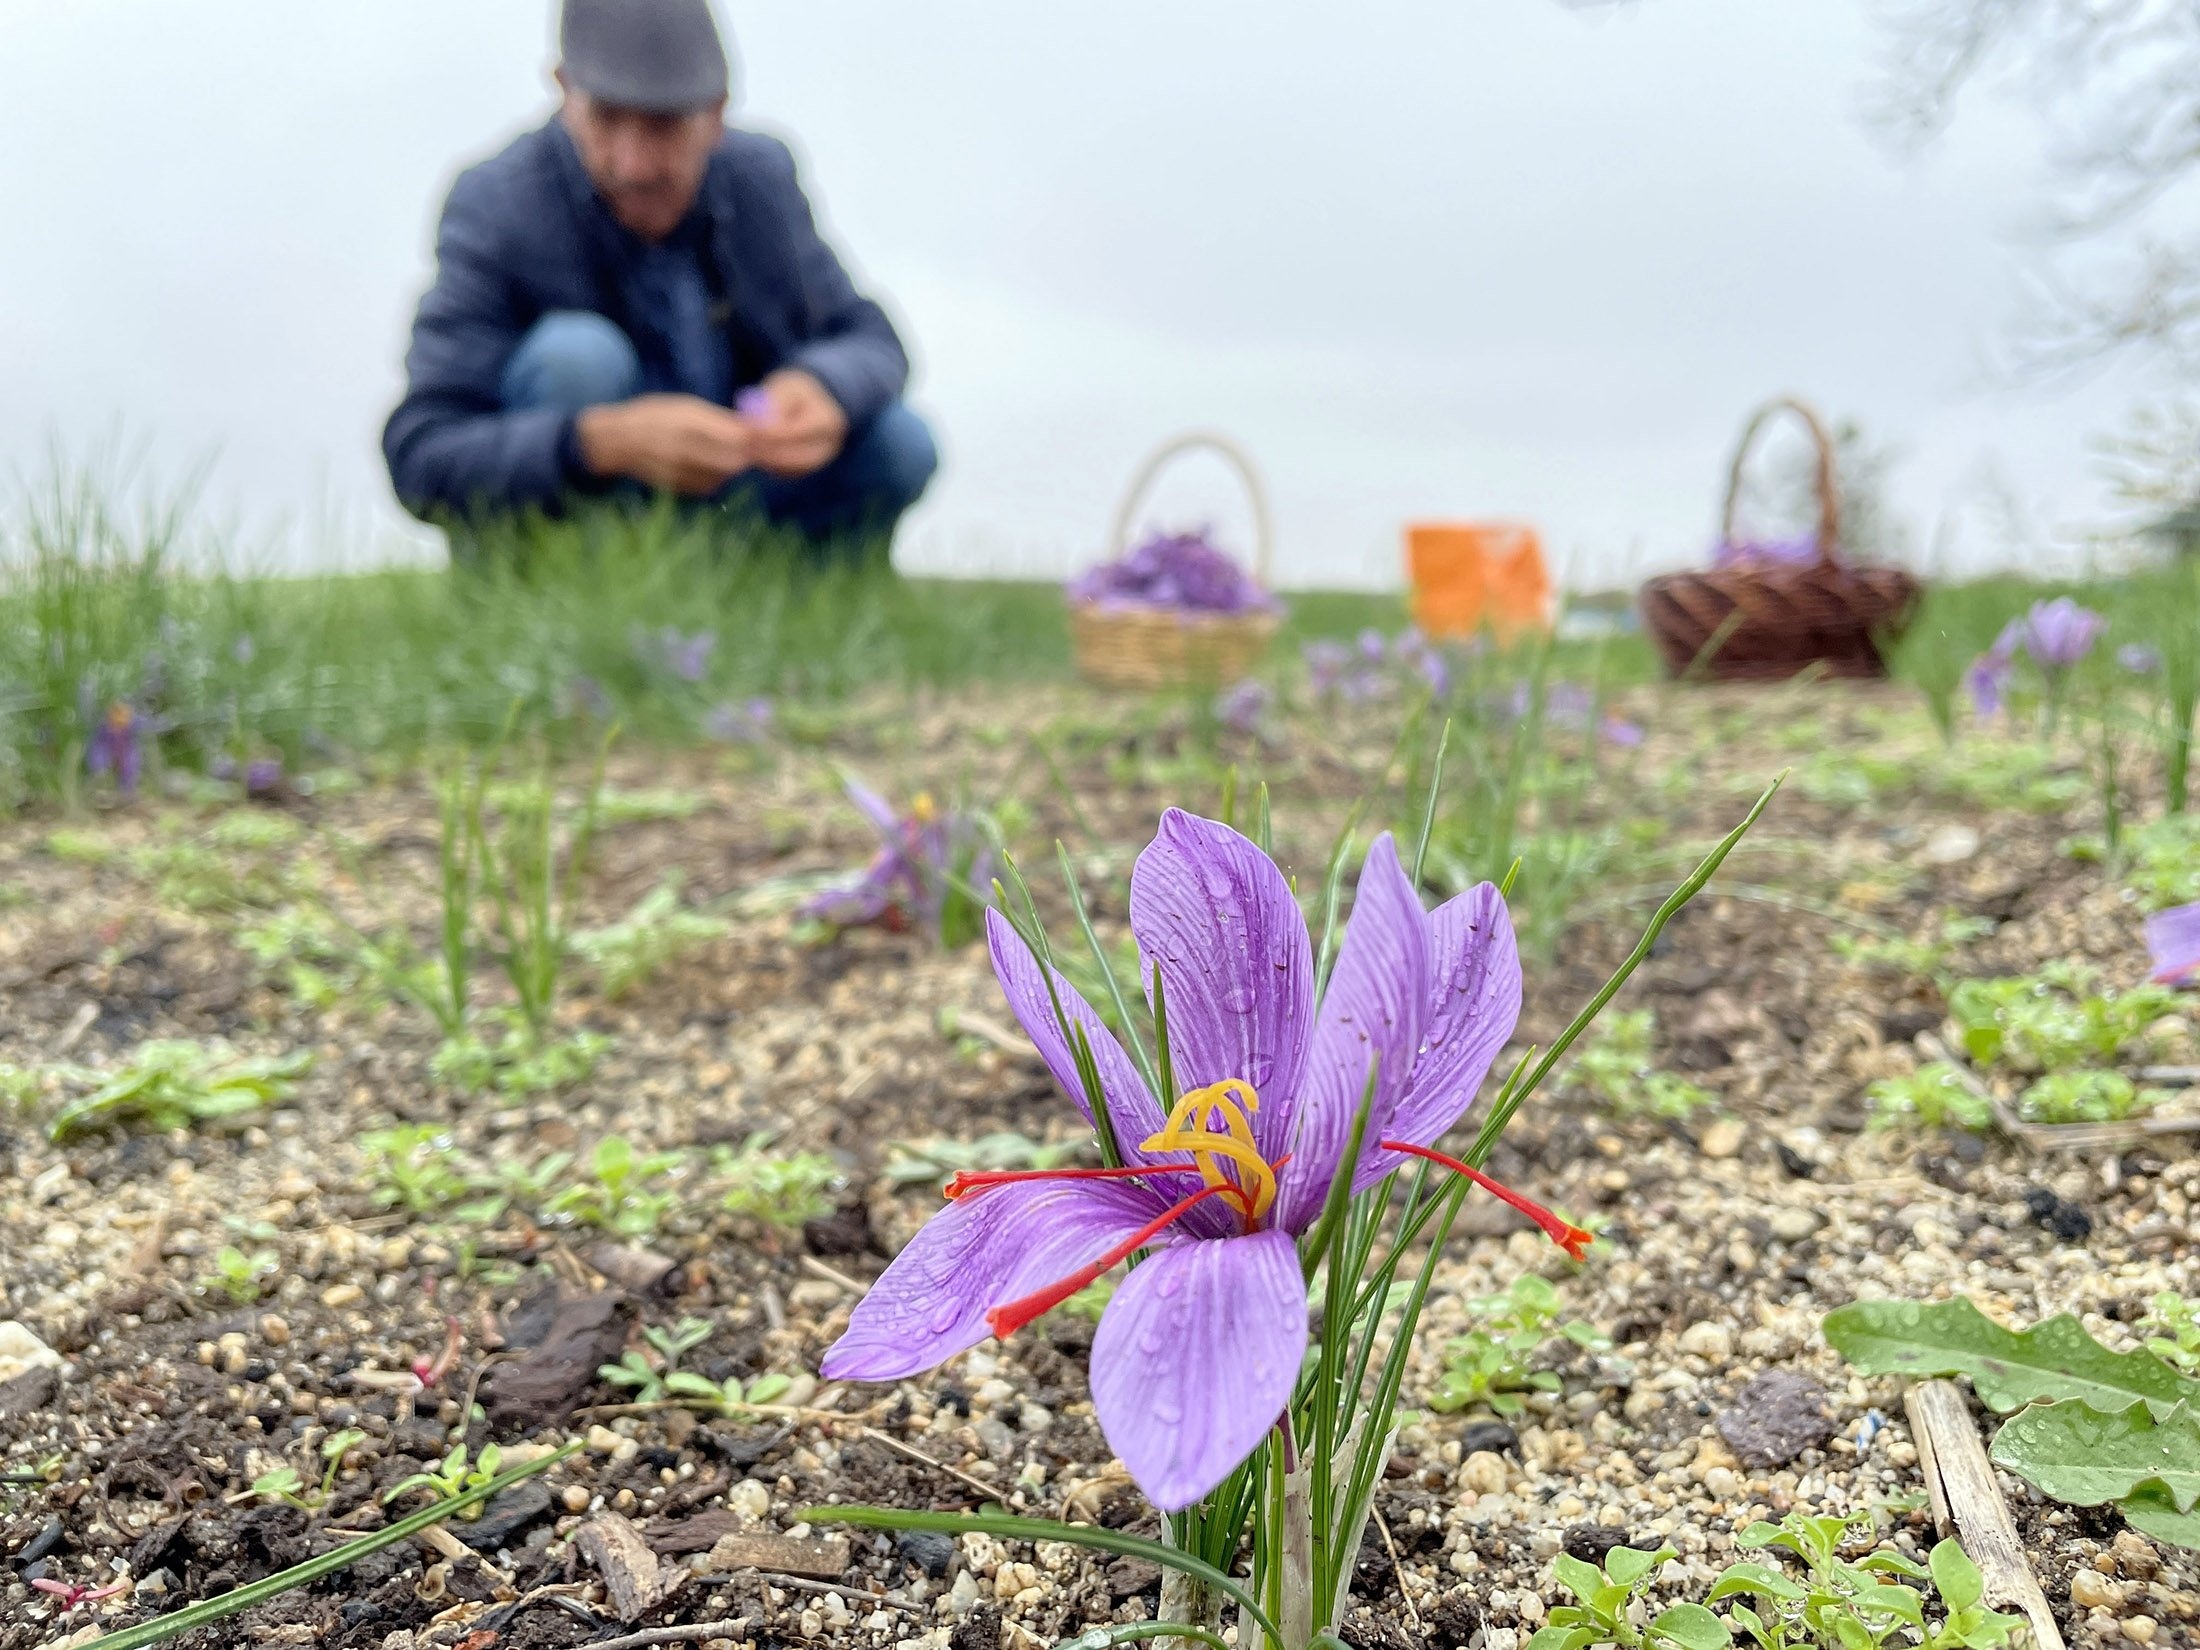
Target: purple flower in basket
{"points": [[1182, 572], [1795, 552], [2060, 633], [2138, 659], [2173, 944], [1200, 1347]]}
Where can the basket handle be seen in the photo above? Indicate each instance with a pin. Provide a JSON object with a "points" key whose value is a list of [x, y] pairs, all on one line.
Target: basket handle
{"points": [[1829, 497], [1213, 441]]}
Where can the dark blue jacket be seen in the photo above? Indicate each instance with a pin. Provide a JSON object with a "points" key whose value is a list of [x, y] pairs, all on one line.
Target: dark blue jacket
{"points": [[523, 233]]}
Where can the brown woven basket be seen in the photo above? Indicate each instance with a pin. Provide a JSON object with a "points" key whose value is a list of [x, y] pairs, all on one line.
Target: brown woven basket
{"points": [[1151, 648], [1764, 622]]}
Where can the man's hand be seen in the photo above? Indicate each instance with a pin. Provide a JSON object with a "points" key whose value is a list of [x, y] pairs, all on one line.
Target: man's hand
{"points": [[677, 443], [799, 427]]}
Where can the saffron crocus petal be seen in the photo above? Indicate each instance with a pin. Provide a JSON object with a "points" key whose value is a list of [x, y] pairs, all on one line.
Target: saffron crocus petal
{"points": [[2173, 943], [876, 809], [1132, 1107], [1195, 1358], [977, 1252], [1473, 1005], [1370, 1020], [1213, 913]]}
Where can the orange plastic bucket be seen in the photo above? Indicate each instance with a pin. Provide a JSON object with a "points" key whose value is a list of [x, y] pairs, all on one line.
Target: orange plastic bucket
{"points": [[1470, 576]]}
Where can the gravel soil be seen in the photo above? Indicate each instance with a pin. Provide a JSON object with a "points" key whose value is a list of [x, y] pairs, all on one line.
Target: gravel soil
{"points": [[1724, 1237]]}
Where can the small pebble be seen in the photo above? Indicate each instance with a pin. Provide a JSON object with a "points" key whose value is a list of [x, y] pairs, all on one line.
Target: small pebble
{"points": [[1483, 1473], [1723, 1138], [341, 1295], [1708, 1340], [274, 1331], [749, 1499], [2139, 1629], [575, 1498], [2090, 1590]]}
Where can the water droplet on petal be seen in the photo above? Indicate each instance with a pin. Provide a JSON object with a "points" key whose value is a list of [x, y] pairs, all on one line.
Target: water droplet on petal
{"points": [[1218, 882], [945, 1319], [1238, 999]]}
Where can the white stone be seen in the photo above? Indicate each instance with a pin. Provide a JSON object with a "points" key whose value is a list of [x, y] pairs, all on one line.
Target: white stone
{"points": [[21, 1351], [1713, 1341]]}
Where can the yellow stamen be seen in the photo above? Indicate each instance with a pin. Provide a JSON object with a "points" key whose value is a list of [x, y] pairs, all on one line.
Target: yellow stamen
{"points": [[1190, 1128]]}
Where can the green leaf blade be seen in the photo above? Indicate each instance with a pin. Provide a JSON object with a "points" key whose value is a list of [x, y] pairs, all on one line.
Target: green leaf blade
{"points": [[2086, 1456], [2055, 1360]]}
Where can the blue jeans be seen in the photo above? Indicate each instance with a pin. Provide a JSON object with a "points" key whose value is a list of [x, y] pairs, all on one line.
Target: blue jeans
{"points": [[573, 359]]}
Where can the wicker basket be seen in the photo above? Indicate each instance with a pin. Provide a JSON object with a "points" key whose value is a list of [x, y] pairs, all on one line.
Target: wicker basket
{"points": [[1135, 647], [1755, 621]]}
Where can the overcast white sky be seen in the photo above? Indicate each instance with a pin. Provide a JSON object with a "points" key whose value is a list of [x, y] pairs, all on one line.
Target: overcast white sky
{"points": [[1424, 257]]}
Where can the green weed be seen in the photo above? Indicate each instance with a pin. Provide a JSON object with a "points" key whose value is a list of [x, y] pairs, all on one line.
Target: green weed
{"points": [[175, 1085], [1492, 1363]]}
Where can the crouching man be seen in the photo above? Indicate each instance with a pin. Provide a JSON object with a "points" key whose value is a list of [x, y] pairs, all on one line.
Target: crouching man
{"points": [[635, 297]]}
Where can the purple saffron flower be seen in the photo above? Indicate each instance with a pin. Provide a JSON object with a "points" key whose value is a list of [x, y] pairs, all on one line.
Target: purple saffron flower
{"points": [[908, 881], [748, 723], [1987, 682], [1199, 1348], [683, 656], [2173, 943], [1184, 572], [1325, 664], [1374, 649], [2139, 659], [261, 778], [1794, 552], [1242, 707], [117, 748], [1617, 730], [2060, 633]]}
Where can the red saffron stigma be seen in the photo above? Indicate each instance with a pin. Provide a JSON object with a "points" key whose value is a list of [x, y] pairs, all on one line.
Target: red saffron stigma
{"points": [[1010, 1316], [1565, 1234], [967, 1181]]}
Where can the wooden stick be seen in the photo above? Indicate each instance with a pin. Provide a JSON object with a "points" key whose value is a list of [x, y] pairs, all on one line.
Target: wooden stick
{"points": [[989, 1492], [2054, 1136], [732, 1628], [1967, 1503]]}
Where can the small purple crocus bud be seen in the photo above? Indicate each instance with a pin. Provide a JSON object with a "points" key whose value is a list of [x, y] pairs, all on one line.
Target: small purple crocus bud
{"points": [[1987, 681], [2139, 659], [2060, 633], [1242, 707]]}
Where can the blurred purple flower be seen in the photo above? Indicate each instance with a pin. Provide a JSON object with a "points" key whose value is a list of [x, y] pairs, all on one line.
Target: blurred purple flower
{"points": [[2060, 633], [1325, 662], [262, 777], [584, 696], [909, 880], [753, 403], [748, 723], [1242, 707], [1795, 552], [2173, 944], [675, 652], [117, 747], [1617, 730], [1987, 682], [1180, 571], [2139, 659], [1373, 648]]}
